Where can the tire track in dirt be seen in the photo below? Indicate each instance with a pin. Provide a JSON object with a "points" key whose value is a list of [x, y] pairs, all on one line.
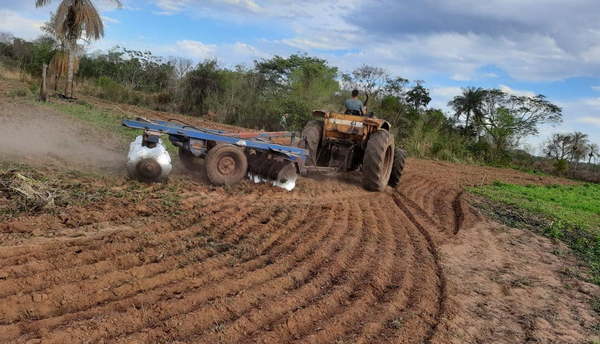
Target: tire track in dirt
{"points": [[459, 215], [439, 271]]}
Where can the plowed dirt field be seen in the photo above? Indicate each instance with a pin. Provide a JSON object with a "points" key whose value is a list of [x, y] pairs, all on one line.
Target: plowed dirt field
{"points": [[326, 263]]}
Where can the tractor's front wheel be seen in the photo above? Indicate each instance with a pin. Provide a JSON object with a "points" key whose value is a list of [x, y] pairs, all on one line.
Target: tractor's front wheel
{"points": [[226, 165], [378, 160], [397, 167], [311, 138]]}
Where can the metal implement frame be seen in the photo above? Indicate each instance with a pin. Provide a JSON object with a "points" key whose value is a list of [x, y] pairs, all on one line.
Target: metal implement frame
{"points": [[245, 140]]}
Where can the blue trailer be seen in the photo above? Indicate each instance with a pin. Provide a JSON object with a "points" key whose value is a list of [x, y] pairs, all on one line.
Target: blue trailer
{"points": [[226, 157]]}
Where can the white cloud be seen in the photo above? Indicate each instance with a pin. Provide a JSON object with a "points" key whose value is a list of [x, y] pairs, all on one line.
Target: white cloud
{"points": [[446, 92], [110, 20], [440, 96], [590, 120], [322, 43], [19, 26], [490, 75], [226, 54], [581, 115], [246, 50], [205, 7], [195, 49], [596, 88], [171, 6], [520, 93], [592, 102], [246, 4]]}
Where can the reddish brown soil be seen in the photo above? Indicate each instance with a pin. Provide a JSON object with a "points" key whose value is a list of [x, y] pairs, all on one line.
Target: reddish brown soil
{"points": [[326, 263]]}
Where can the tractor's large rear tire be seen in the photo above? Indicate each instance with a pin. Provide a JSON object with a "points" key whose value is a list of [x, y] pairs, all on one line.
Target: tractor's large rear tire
{"points": [[397, 167], [378, 161], [311, 138], [226, 165]]}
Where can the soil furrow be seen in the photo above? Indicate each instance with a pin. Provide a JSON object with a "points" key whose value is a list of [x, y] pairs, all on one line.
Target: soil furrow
{"points": [[120, 295], [150, 247], [13, 306], [243, 294], [354, 306], [257, 320], [183, 293], [49, 257], [396, 295]]}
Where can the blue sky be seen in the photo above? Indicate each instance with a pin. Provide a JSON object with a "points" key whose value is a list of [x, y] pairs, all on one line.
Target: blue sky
{"points": [[550, 47]]}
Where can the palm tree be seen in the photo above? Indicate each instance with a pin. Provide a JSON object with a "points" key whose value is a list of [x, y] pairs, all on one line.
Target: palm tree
{"points": [[469, 104], [75, 19], [594, 152], [579, 146]]}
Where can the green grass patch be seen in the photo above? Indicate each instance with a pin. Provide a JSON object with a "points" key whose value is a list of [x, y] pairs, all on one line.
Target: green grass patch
{"points": [[572, 213]]}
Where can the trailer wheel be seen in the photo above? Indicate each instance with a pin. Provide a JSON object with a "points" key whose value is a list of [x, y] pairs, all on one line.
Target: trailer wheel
{"points": [[378, 160], [189, 161], [397, 167], [226, 165]]}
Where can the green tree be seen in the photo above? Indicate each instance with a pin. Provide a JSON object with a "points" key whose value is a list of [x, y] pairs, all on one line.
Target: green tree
{"points": [[368, 79], [73, 20], [558, 147], [418, 96], [198, 85], [296, 85], [468, 104], [507, 118]]}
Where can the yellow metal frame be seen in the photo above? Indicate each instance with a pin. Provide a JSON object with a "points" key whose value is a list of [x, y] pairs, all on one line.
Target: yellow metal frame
{"points": [[349, 127]]}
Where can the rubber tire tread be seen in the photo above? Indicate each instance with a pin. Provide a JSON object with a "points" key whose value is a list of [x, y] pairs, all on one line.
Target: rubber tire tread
{"points": [[373, 161], [212, 160], [311, 138], [397, 167]]}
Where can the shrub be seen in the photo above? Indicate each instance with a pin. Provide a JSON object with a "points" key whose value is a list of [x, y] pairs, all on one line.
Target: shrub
{"points": [[111, 90], [19, 92], [561, 166]]}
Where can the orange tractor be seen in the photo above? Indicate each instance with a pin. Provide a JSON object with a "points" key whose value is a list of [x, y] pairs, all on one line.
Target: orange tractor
{"points": [[344, 142]]}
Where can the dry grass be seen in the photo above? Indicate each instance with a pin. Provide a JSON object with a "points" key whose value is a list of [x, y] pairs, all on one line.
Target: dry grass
{"points": [[27, 193]]}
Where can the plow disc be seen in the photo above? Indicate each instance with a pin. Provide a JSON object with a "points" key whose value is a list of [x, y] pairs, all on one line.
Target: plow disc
{"points": [[280, 173]]}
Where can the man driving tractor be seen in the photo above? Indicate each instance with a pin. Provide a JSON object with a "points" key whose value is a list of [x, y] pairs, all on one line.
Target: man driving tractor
{"points": [[354, 106]]}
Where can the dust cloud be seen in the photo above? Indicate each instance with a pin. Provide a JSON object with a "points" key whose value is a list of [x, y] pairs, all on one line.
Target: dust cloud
{"points": [[40, 136]]}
